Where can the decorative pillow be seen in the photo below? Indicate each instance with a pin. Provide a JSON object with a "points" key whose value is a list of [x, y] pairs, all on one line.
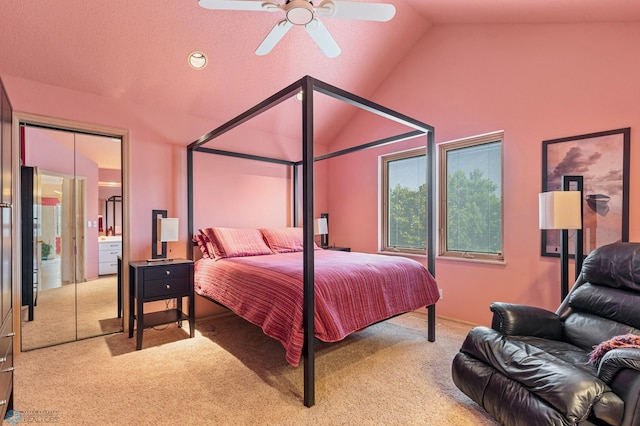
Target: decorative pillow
{"points": [[284, 240], [624, 341], [202, 245], [234, 242]]}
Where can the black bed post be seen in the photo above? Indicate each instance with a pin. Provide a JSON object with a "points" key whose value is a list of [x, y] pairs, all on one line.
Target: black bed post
{"points": [[295, 201], [308, 350], [431, 207], [431, 235], [190, 202]]}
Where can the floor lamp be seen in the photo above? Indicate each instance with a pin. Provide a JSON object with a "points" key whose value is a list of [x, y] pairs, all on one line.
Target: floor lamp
{"points": [[563, 210]]}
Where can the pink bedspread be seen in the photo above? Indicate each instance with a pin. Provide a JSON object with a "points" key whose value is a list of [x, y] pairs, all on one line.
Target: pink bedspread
{"points": [[352, 291]]}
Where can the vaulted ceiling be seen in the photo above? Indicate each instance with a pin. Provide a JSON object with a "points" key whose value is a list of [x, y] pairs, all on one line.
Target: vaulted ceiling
{"points": [[136, 51]]}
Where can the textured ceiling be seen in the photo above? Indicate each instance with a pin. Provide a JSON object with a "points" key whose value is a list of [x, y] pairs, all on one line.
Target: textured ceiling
{"points": [[136, 51], [526, 11]]}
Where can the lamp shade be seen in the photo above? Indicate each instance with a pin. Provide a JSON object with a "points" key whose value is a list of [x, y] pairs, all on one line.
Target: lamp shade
{"points": [[168, 229], [320, 226], [560, 210]]}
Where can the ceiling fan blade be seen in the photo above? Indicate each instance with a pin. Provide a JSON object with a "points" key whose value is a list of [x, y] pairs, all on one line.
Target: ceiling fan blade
{"points": [[323, 39], [274, 37], [238, 5], [356, 10]]}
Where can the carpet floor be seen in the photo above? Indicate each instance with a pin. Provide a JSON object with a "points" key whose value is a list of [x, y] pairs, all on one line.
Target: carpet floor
{"points": [[72, 311], [232, 374]]}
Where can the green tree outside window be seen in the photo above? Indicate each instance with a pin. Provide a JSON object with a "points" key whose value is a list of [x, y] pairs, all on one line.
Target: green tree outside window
{"points": [[408, 217], [474, 214]]}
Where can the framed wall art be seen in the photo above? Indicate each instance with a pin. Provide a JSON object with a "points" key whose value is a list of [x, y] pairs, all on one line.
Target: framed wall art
{"points": [[603, 160]]}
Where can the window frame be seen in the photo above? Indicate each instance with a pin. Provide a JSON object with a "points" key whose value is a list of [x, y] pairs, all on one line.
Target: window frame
{"points": [[384, 179], [444, 148]]}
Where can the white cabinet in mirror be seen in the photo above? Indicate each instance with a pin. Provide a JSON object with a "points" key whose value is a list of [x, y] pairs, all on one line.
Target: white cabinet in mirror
{"points": [[109, 249]]}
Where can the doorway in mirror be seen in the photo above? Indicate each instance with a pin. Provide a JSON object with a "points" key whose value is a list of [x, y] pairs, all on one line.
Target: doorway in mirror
{"points": [[68, 292]]}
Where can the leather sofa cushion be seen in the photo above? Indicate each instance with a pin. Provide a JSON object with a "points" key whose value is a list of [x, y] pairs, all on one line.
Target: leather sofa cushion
{"points": [[557, 372], [598, 313], [614, 265], [587, 330], [617, 305]]}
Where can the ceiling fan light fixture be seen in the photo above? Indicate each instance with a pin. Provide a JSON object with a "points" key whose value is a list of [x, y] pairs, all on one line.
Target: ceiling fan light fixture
{"points": [[304, 13], [299, 12], [197, 60]]}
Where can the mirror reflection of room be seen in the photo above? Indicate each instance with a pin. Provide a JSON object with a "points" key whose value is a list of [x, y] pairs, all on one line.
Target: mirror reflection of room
{"points": [[71, 235]]}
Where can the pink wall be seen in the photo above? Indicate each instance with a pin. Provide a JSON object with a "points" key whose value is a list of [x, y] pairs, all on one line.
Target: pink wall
{"points": [[534, 82], [50, 156], [233, 192]]}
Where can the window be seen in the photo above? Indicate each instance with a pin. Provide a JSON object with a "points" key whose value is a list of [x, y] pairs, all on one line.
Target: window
{"points": [[471, 198], [404, 202]]}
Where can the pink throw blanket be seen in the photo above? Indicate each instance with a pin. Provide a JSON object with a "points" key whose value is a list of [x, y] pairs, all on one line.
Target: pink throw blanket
{"points": [[624, 341]]}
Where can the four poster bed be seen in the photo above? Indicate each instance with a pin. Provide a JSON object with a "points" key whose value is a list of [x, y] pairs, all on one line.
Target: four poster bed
{"points": [[281, 281]]}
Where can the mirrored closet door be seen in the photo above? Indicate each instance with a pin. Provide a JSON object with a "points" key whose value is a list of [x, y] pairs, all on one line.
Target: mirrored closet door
{"points": [[71, 206]]}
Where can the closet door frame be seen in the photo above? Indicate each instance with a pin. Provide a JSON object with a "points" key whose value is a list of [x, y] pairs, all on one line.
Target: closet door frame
{"points": [[20, 118]]}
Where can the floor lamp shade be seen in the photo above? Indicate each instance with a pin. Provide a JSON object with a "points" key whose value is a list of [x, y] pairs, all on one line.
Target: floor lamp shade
{"points": [[560, 210]]}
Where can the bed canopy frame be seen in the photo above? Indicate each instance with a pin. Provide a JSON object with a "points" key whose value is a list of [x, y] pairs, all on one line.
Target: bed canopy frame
{"points": [[308, 85]]}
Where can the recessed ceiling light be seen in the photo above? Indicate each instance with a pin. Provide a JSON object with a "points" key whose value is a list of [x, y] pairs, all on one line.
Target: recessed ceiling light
{"points": [[197, 60]]}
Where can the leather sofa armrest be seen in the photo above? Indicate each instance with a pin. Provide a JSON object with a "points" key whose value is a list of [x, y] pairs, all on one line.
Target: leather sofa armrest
{"points": [[522, 320], [618, 359]]}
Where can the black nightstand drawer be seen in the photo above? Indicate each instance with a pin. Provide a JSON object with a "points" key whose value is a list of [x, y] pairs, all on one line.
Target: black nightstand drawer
{"points": [[166, 288], [160, 272]]}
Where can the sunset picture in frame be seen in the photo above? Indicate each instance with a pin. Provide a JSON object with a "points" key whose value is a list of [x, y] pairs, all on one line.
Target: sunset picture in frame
{"points": [[603, 160]]}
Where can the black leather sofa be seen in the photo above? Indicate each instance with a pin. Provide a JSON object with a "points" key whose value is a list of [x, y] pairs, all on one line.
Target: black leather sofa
{"points": [[532, 366]]}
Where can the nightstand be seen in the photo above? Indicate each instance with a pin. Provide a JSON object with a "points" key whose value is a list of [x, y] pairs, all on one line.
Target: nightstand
{"points": [[152, 281], [338, 248]]}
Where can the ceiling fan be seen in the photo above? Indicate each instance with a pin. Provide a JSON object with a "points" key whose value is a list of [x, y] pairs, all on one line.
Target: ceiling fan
{"points": [[303, 13]]}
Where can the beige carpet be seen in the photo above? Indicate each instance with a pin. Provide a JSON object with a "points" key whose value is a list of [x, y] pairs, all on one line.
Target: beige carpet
{"points": [[71, 312], [232, 374]]}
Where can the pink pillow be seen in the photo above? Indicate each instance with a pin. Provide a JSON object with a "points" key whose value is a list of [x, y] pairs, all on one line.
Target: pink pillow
{"points": [[202, 245], [284, 240], [234, 242]]}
